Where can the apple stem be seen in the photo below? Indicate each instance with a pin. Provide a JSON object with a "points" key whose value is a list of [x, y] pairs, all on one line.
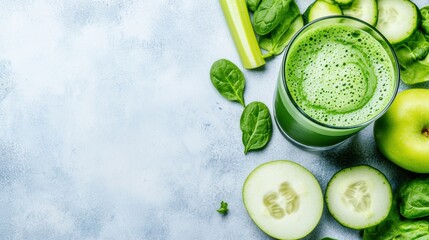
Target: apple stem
{"points": [[425, 132]]}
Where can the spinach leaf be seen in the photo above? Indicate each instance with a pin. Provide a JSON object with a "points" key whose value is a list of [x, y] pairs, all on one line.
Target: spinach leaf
{"points": [[281, 29], [256, 125], [416, 72], [252, 5], [415, 49], [269, 14], [228, 80], [394, 227], [414, 199], [413, 56], [276, 40]]}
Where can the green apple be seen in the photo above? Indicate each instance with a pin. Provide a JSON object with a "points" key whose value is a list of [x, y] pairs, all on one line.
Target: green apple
{"points": [[402, 133]]}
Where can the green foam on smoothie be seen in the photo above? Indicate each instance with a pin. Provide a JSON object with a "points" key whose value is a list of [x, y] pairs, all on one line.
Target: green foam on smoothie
{"points": [[339, 75]]}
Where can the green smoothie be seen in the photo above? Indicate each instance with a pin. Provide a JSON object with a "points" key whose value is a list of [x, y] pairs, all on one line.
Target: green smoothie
{"points": [[339, 75], [337, 79]]}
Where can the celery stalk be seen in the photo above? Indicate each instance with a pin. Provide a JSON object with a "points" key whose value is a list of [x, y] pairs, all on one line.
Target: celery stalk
{"points": [[238, 20]]}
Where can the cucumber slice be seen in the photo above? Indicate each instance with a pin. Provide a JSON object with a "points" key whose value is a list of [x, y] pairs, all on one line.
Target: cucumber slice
{"points": [[321, 8], [344, 2], [365, 10], [283, 199], [359, 197], [397, 19]]}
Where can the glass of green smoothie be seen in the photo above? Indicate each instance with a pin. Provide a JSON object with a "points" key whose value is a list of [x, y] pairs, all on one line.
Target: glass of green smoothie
{"points": [[338, 75]]}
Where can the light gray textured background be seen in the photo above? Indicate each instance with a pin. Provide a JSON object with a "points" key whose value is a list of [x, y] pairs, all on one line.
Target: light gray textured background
{"points": [[110, 127]]}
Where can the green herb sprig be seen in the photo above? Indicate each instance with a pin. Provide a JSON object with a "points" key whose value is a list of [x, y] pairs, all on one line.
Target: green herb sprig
{"points": [[223, 208]]}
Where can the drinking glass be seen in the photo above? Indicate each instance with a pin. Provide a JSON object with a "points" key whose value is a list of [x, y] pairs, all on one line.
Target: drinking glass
{"points": [[305, 131]]}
